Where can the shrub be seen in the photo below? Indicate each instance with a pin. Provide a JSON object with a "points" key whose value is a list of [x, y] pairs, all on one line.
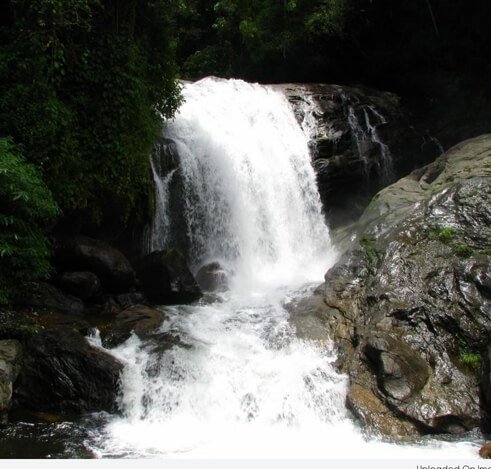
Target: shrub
{"points": [[443, 235], [472, 360], [462, 250], [26, 209]]}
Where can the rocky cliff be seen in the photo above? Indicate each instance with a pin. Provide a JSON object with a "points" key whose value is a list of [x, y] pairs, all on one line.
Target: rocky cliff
{"points": [[409, 304], [362, 140]]}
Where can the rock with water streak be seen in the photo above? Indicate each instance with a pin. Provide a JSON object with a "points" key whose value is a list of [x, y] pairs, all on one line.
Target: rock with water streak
{"points": [[165, 156], [10, 363], [362, 140], [63, 373], [212, 277], [166, 278], [111, 266], [409, 304]]}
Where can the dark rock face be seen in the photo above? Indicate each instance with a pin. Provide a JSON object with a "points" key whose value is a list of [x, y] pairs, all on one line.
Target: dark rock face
{"points": [[362, 142], [45, 296], [212, 278], [10, 363], [409, 305], [62, 372], [165, 162], [165, 156], [110, 265], [140, 319], [80, 284], [166, 278]]}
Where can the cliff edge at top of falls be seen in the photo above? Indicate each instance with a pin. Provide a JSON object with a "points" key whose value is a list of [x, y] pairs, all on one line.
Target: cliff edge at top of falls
{"points": [[409, 304]]}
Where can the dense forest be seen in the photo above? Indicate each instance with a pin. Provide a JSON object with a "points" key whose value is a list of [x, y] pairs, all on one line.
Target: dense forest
{"points": [[85, 85]]}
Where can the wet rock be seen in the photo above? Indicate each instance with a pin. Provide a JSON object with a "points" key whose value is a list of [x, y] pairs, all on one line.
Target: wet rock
{"points": [[10, 363], [83, 285], [362, 141], [309, 317], [140, 319], [111, 266], [46, 296], [166, 278], [212, 278], [376, 417], [110, 305], [401, 372], [51, 320], [161, 342], [485, 451], [165, 156], [485, 388], [410, 300], [130, 299], [63, 373]]}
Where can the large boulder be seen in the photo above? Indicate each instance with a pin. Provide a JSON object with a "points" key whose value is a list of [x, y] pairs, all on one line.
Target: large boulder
{"points": [[166, 278], [165, 156], [80, 284], [212, 277], [10, 363], [84, 253], [63, 373], [409, 304], [361, 141]]}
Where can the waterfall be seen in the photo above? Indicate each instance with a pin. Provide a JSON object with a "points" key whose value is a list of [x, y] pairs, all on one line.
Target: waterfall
{"points": [[249, 191], [161, 222], [241, 384]]}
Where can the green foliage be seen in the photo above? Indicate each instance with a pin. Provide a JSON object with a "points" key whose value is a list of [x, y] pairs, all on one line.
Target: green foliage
{"points": [[26, 209], [84, 87], [472, 360], [326, 17], [249, 35], [387, 44], [444, 235], [462, 250]]}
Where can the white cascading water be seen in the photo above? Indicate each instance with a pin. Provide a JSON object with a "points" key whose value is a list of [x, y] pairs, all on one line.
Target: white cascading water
{"points": [[161, 222], [365, 134], [250, 196], [386, 164], [244, 386]]}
